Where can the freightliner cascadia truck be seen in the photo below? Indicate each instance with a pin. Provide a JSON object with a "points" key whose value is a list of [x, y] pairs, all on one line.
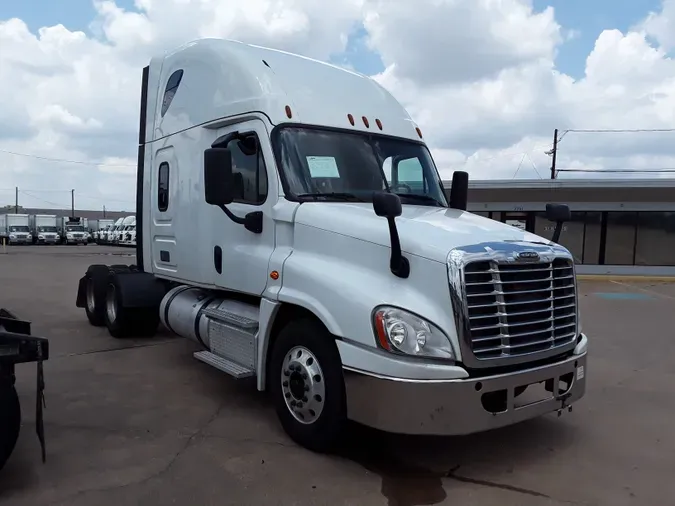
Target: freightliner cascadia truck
{"points": [[291, 221]]}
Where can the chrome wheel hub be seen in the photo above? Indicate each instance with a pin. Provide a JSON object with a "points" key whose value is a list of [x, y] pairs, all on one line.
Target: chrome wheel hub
{"points": [[302, 384]]}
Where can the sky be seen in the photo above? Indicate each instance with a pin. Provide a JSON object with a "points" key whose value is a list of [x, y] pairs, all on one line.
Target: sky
{"points": [[487, 81]]}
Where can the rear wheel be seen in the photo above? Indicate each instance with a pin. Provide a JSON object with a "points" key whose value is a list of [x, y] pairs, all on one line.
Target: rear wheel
{"points": [[10, 422], [123, 322], [307, 385], [97, 280]]}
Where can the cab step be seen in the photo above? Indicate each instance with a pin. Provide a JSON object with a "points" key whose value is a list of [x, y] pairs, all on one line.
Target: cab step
{"points": [[237, 314], [224, 365]]}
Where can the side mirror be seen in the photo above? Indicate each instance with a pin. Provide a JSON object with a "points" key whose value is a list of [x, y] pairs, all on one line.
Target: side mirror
{"points": [[387, 205], [558, 213], [218, 180], [459, 191]]}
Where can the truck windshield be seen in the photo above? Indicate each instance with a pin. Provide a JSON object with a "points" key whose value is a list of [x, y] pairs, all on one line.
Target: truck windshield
{"points": [[18, 228], [46, 229], [323, 164], [74, 228]]}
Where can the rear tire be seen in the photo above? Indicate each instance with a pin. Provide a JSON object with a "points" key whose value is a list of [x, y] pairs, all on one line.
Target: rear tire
{"points": [[124, 322], [307, 385], [97, 281], [10, 422]]}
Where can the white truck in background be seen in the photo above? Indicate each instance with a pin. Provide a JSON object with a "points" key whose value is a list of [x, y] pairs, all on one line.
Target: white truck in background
{"points": [[74, 230], [128, 232], [304, 239], [119, 235], [43, 228], [15, 229], [103, 227], [109, 235]]}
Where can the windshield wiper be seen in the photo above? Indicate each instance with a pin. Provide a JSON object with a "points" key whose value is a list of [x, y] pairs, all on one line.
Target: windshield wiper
{"points": [[333, 195], [417, 196]]}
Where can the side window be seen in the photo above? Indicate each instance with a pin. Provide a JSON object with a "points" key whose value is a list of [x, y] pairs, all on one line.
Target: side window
{"points": [[407, 172], [163, 187], [170, 91], [411, 173], [250, 174]]}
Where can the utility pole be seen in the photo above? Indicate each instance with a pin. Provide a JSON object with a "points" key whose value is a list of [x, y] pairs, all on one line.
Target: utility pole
{"points": [[16, 200], [554, 152], [72, 202], [104, 211]]}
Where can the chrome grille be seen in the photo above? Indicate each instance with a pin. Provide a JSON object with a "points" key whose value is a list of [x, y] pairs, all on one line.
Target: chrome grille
{"points": [[517, 309]]}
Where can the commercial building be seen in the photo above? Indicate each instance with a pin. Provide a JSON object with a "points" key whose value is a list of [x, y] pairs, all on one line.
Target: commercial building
{"points": [[619, 226]]}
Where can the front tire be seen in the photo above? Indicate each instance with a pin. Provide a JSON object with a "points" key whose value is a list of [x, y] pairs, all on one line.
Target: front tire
{"points": [[10, 422], [307, 385]]}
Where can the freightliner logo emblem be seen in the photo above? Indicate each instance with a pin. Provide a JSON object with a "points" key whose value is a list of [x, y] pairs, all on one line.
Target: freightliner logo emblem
{"points": [[527, 256]]}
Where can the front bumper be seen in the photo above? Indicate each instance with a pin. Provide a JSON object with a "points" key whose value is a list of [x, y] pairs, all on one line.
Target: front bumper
{"points": [[456, 407]]}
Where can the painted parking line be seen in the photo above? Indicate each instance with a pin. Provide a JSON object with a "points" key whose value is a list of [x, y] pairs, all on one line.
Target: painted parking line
{"points": [[623, 296], [644, 290]]}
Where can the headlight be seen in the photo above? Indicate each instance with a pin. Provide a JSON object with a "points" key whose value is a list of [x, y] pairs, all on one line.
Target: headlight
{"points": [[12, 236], [399, 330], [41, 236]]}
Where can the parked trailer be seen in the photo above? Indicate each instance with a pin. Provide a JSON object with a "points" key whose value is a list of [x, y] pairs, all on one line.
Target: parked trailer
{"points": [[314, 249], [43, 228], [15, 229], [17, 346]]}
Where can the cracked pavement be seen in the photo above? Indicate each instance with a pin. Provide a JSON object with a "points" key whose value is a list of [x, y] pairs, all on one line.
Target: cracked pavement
{"points": [[139, 422]]}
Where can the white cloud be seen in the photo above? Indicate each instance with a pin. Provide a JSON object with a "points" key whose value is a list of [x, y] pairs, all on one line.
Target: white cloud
{"points": [[479, 76]]}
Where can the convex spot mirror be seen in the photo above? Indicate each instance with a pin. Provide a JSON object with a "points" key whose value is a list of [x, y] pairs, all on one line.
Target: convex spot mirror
{"points": [[558, 213], [218, 179]]}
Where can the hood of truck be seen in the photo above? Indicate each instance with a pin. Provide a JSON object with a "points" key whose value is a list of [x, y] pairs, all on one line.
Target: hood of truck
{"points": [[428, 232]]}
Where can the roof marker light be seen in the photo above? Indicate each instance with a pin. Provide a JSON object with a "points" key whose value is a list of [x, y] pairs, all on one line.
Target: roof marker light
{"points": [[419, 132], [365, 121], [351, 119], [379, 124], [288, 112]]}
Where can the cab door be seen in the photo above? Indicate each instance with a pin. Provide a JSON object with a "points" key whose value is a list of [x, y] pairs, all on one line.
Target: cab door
{"points": [[240, 258]]}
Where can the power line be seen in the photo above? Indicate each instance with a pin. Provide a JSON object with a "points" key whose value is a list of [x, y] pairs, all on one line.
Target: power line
{"points": [[618, 170], [63, 160], [628, 130], [42, 200]]}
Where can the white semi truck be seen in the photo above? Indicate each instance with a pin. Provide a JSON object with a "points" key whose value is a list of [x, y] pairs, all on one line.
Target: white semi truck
{"points": [[107, 236], [43, 228], [15, 229], [102, 229], [74, 230], [327, 262]]}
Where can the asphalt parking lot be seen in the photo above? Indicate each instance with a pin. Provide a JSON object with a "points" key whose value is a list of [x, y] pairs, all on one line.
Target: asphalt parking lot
{"points": [[141, 422]]}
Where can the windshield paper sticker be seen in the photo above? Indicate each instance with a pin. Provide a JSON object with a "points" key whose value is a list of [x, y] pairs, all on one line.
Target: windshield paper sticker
{"points": [[323, 166]]}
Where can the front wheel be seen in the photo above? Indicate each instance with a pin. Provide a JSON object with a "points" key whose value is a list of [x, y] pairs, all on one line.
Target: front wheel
{"points": [[307, 385]]}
